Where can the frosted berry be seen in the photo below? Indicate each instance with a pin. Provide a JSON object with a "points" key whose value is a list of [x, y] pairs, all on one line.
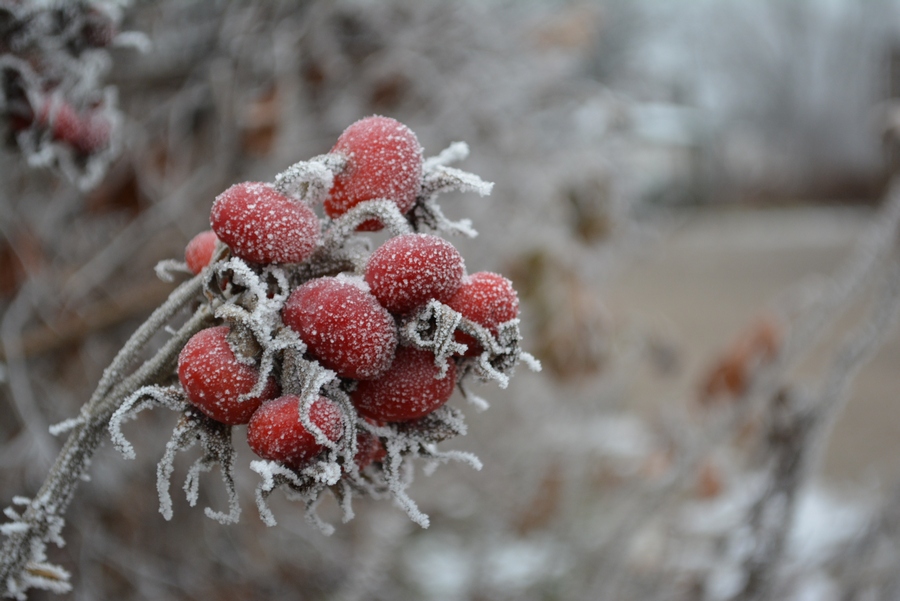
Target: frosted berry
{"points": [[199, 251], [86, 133], [409, 270], [384, 160], [408, 390], [343, 325], [95, 133], [262, 225], [275, 431], [488, 299], [61, 118], [213, 378]]}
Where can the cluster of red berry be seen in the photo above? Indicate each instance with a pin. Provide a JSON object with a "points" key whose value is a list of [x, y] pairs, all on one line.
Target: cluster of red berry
{"points": [[349, 321], [51, 101]]}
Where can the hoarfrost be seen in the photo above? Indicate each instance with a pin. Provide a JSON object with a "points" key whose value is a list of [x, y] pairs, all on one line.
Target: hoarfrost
{"points": [[166, 269], [310, 181]]}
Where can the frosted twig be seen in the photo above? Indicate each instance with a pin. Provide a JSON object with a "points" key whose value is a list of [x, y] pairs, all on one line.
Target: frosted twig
{"points": [[874, 248], [114, 374], [790, 426], [43, 516]]}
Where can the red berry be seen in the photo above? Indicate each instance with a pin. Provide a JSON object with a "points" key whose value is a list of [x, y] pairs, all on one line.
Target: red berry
{"points": [[488, 299], [86, 133], [64, 122], [200, 250], [409, 270], [275, 431], [344, 326], [408, 390], [213, 379], [94, 134], [262, 225], [368, 450], [384, 160]]}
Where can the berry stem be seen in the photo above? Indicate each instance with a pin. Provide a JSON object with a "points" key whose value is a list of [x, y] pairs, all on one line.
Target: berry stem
{"points": [[43, 516]]}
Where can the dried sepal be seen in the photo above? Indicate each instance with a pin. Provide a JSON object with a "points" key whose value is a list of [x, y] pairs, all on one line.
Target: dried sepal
{"points": [[426, 212], [407, 441], [147, 397], [456, 152], [167, 268], [310, 181], [306, 485], [215, 441], [342, 228], [439, 178], [433, 328]]}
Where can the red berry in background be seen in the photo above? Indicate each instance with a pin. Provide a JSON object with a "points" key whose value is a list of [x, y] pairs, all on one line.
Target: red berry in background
{"points": [[213, 378], [275, 431], [384, 160], [488, 299], [199, 251], [64, 122], [409, 270], [95, 133], [408, 390], [86, 133], [343, 326], [262, 225]]}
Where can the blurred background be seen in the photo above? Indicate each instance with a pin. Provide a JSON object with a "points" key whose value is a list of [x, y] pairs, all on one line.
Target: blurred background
{"points": [[692, 199]]}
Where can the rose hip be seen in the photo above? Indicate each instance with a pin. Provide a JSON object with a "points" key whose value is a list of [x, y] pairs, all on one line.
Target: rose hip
{"points": [[488, 299], [410, 389], [384, 160], [214, 379], [409, 270], [344, 326], [262, 225], [199, 251], [275, 431]]}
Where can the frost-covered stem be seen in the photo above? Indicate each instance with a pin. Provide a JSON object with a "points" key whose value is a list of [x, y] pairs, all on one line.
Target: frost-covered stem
{"points": [[860, 565], [872, 252], [791, 427], [798, 435], [59, 487], [160, 317], [834, 297]]}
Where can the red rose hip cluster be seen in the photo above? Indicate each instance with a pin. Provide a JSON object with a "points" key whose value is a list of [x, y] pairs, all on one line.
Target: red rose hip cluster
{"points": [[339, 362]]}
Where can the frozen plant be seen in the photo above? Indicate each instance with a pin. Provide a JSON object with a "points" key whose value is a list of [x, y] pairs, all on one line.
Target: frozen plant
{"points": [[339, 362], [53, 56]]}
